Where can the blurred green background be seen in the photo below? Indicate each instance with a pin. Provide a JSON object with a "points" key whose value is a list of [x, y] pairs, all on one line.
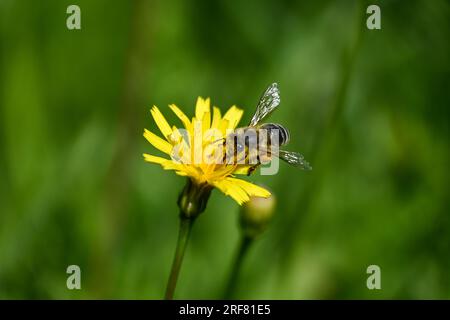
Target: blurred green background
{"points": [[368, 108]]}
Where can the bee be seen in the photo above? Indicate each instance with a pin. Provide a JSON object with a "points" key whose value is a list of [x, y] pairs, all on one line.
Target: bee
{"points": [[250, 143]]}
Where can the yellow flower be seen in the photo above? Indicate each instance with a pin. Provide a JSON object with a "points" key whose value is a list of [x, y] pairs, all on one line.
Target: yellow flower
{"points": [[182, 144]]}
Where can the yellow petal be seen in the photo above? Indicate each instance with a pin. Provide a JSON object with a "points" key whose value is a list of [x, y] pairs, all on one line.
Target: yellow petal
{"points": [[216, 117], [206, 121], [167, 164], [175, 137], [201, 107], [157, 142], [250, 188], [233, 115], [222, 171], [171, 165], [153, 159], [161, 122], [233, 190], [223, 126], [242, 169], [180, 114]]}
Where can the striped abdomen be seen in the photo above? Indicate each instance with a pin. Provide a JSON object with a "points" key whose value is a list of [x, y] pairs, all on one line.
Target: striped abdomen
{"points": [[275, 129]]}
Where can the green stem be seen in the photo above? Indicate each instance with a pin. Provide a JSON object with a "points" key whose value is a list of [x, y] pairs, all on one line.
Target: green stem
{"points": [[234, 275], [183, 237]]}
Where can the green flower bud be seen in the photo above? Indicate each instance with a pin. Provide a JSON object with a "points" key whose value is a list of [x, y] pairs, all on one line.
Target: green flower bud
{"points": [[256, 215], [192, 200]]}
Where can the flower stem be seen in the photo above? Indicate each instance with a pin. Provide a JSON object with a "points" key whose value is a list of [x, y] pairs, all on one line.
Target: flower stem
{"points": [[183, 237], [234, 275]]}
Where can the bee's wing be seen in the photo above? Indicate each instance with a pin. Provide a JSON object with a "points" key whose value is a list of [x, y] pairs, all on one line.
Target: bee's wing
{"points": [[294, 158], [267, 103]]}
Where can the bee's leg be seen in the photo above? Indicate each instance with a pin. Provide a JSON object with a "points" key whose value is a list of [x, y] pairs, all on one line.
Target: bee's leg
{"points": [[251, 169], [224, 151]]}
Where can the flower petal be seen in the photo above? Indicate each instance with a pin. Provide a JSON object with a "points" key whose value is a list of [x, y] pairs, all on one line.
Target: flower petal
{"points": [[180, 114], [172, 165], [223, 126], [161, 122], [206, 121], [233, 190], [221, 172], [233, 115], [250, 188], [182, 173], [167, 164], [158, 142], [216, 118], [153, 159], [242, 169], [201, 107]]}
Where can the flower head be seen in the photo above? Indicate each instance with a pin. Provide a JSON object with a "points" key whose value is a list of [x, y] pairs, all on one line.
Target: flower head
{"points": [[193, 150]]}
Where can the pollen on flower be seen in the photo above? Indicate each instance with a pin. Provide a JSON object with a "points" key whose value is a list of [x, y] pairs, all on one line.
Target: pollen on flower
{"points": [[198, 158]]}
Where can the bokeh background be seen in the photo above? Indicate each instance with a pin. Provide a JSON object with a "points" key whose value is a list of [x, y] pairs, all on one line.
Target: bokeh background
{"points": [[368, 108]]}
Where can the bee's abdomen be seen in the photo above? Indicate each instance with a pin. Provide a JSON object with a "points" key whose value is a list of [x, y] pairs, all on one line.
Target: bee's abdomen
{"points": [[273, 128]]}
